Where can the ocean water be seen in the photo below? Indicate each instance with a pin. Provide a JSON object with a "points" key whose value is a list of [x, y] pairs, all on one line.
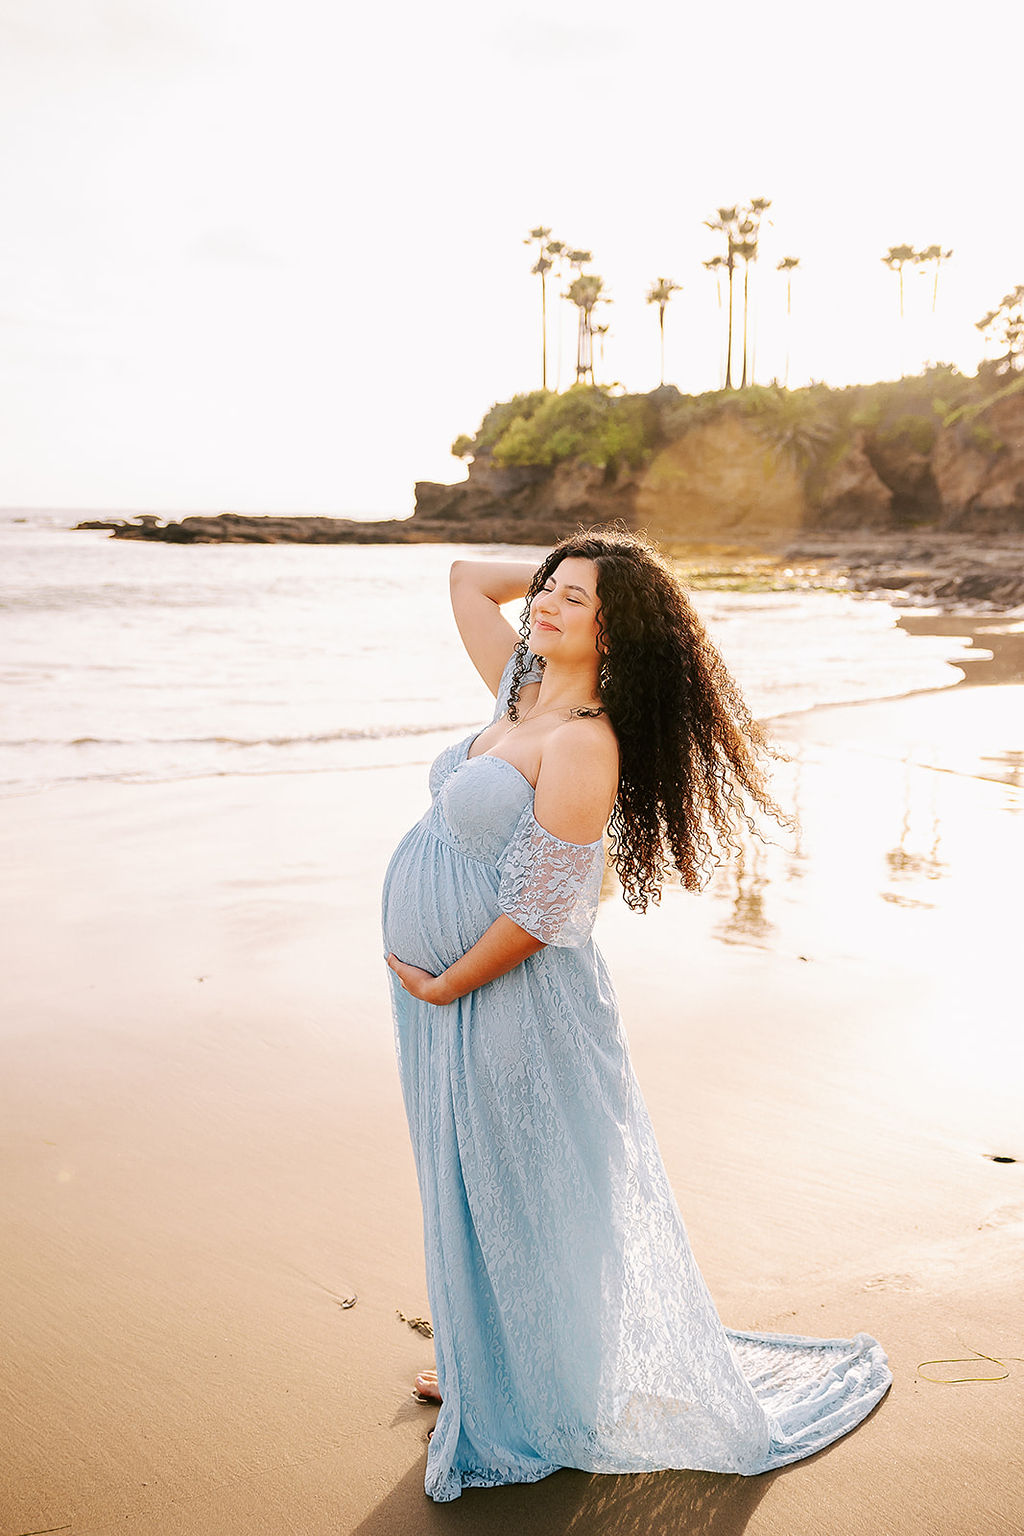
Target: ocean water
{"points": [[145, 662]]}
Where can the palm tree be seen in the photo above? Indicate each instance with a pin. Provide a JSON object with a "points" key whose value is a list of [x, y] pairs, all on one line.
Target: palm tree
{"points": [[585, 292], [659, 293], [715, 265], [746, 250], [896, 258], [938, 255], [726, 224], [578, 259], [788, 264], [541, 270], [555, 249], [1010, 316]]}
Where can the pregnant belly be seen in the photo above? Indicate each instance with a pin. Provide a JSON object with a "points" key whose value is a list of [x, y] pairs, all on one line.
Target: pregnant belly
{"points": [[436, 902]]}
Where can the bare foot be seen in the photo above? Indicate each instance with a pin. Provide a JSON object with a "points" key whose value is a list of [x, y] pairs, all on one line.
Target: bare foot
{"points": [[426, 1388]]}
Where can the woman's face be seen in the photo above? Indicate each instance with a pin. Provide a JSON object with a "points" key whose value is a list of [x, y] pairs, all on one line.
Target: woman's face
{"points": [[564, 614]]}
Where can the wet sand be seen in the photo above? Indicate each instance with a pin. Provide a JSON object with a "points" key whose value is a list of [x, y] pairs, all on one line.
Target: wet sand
{"points": [[205, 1153]]}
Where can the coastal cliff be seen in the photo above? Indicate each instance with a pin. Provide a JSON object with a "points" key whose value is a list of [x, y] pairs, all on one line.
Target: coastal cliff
{"points": [[925, 473], [940, 452]]}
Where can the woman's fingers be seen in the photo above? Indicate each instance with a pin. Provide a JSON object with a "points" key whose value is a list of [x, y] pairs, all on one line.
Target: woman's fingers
{"points": [[413, 978]]}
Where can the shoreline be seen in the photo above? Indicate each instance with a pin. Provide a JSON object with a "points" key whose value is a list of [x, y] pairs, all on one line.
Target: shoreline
{"points": [[206, 1151], [1004, 666], [955, 571]]}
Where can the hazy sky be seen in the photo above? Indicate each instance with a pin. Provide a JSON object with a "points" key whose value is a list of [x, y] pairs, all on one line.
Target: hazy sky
{"points": [[269, 256]]}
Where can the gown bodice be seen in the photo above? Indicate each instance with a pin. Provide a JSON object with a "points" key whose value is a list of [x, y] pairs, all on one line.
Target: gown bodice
{"points": [[477, 801], [482, 809]]}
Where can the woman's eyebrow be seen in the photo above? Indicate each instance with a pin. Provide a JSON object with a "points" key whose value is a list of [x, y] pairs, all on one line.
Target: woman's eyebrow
{"points": [[570, 587]]}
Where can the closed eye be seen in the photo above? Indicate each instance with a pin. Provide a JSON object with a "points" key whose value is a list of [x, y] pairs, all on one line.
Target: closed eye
{"points": [[577, 600]]}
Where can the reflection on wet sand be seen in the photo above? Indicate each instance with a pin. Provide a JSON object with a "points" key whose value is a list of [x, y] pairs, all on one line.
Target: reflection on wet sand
{"points": [[915, 857], [870, 791], [743, 884], [886, 783]]}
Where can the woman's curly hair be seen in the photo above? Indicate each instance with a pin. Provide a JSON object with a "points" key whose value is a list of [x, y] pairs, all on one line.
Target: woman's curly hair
{"points": [[690, 753]]}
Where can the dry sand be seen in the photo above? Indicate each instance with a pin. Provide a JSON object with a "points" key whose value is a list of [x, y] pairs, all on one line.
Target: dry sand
{"points": [[204, 1149]]}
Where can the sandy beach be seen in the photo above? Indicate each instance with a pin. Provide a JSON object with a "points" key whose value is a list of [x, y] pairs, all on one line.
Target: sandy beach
{"points": [[205, 1152]]}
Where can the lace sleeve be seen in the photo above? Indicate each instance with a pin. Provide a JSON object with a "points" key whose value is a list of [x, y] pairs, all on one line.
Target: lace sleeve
{"points": [[550, 887]]}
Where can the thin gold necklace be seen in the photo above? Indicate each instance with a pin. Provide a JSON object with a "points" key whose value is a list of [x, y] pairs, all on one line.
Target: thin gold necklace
{"points": [[575, 709]]}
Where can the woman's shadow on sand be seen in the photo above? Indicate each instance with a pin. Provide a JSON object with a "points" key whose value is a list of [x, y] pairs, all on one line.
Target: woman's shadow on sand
{"points": [[570, 1503], [649, 1504]]}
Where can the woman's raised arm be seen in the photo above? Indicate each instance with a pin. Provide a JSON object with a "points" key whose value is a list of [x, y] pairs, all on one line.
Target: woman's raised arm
{"points": [[478, 589]]}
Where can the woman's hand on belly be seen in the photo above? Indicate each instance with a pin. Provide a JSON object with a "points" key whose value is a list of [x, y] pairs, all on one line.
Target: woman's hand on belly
{"points": [[418, 982], [504, 946]]}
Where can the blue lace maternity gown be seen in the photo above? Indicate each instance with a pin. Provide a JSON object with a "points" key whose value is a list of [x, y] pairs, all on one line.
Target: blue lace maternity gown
{"points": [[572, 1327]]}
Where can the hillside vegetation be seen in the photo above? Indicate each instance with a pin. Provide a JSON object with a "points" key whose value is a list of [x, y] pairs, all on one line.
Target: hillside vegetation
{"points": [[917, 451]]}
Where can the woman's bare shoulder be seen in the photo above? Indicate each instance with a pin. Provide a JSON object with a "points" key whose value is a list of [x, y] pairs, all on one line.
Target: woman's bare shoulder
{"points": [[590, 736], [578, 779]]}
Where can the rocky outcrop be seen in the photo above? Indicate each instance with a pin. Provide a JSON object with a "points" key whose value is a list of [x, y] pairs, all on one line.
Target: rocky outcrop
{"points": [[979, 468], [765, 467], [495, 505], [852, 493], [552, 499], [941, 569], [721, 480], [968, 475], [239, 528], [906, 472], [880, 480]]}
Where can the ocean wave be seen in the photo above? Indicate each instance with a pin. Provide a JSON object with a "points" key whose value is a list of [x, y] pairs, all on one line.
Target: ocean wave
{"points": [[14, 789], [325, 659], [359, 733]]}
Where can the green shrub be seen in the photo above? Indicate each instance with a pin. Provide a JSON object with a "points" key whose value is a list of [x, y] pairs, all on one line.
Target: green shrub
{"points": [[793, 422], [813, 426], [917, 432], [867, 416], [983, 438], [501, 416], [679, 416], [584, 423]]}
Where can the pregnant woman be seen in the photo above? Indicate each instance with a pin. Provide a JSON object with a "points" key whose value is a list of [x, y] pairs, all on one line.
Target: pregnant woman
{"points": [[572, 1327]]}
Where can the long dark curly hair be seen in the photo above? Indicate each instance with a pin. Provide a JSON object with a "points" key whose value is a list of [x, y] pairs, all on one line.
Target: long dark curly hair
{"points": [[691, 757]]}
